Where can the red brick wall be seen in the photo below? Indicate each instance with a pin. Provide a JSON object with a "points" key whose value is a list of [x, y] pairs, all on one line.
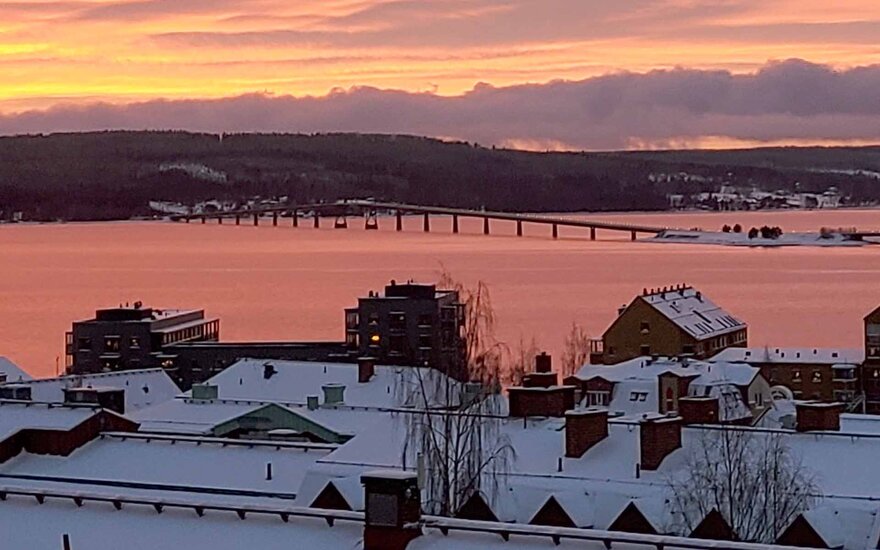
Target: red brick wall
{"points": [[584, 429], [818, 417], [541, 402], [657, 439], [698, 410]]}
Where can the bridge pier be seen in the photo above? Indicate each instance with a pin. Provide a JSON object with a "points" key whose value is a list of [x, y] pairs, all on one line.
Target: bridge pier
{"points": [[632, 235], [427, 223], [275, 219], [555, 231], [204, 220], [219, 220], [187, 219], [341, 222], [399, 220], [592, 233], [237, 219], [485, 226], [295, 217], [317, 220], [256, 220], [455, 223], [371, 221], [519, 228]]}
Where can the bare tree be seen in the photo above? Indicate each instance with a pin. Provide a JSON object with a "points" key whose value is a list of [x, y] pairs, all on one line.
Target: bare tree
{"points": [[575, 350], [454, 433], [521, 361], [752, 478]]}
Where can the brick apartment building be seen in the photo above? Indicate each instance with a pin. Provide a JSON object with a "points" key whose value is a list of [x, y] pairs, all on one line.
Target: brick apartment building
{"points": [[669, 322], [133, 337], [411, 324]]}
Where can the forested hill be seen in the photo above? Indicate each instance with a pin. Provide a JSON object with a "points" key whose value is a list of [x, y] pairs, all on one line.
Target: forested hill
{"points": [[109, 175]]}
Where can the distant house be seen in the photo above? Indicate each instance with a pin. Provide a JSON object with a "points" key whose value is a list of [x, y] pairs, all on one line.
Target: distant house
{"points": [[871, 367], [810, 373], [650, 386], [670, 322]]}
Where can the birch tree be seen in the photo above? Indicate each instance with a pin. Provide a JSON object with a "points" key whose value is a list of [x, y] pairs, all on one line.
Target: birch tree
{"points": [[575, 350], [521, 361], [454, 435], [752, 478]]}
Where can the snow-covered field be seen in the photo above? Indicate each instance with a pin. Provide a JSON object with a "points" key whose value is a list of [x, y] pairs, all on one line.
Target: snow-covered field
{"points": [[742, 239]]}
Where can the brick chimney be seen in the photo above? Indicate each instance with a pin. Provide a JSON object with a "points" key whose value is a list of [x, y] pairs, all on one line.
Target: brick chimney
{"points": [[658, 437], [393, 509], [543, 362], [540, 380], [583, 429], [818, 417], [698, 410], [366, 369], [552, 402]]}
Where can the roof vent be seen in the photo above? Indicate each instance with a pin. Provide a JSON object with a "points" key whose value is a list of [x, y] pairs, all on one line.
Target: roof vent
{"points": [[204, 392], [834, 354], [699, 296], [312, 402], [269, 371], [334, 394]]}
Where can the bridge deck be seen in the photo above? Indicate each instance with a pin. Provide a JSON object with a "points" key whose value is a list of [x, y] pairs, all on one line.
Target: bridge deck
{"points": [[358, 206]]}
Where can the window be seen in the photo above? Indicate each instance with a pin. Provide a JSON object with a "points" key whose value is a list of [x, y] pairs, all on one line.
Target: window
{"points": [[843, 395], [817, 377], [397, 344], [351, 340], [645, 327], [425, 341], [111, 343], [397, 320], [598, 398], [645, 350], [795, 375], [687, 349], [426, 320], [611, 350], [638, 396], [84, 344], [134, 342]]}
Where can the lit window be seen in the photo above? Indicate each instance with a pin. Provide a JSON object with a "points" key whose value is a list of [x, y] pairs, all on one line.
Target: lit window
{"points": [[817, 377], [645, 327], [134, 342], [374, 339], [796, 375]]}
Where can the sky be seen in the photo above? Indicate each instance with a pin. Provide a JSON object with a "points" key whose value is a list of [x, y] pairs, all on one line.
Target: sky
{"points": [[536, 74]]}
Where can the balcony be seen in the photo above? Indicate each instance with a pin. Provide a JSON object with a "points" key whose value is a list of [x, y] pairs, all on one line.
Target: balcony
{"points": [[597, 351]]}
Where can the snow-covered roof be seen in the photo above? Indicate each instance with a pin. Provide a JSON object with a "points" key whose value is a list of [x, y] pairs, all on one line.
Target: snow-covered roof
{"points": [[190, 416], [10, 372], [16, 416], [143, 387], [648, 368], [294, 381], [209, 470], [845, 527], [801, 356], [693, 312]]}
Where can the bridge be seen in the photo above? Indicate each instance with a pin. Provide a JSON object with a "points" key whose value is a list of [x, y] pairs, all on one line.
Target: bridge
{"points": [[369, 210]]}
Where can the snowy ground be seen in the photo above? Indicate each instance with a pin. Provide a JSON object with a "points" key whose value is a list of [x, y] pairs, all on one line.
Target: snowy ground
{"points": [[742, 239]]}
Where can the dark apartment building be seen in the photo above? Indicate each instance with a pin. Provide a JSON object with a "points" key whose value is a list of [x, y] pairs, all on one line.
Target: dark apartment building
{"points": [[669, 322], [871, 367], [133, 337], [411, 324]]}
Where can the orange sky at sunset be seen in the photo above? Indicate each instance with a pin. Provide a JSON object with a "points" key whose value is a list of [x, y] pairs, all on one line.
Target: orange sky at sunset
{"points": [[123, 51]]}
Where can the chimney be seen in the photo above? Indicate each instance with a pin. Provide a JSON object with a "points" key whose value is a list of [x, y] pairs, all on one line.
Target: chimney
{"points": [[366, 369], [658, 438], [698, 410], [540, 380], [822, 417], [538, 401], [334, 394], [543, 362], [583, 429], [393, 509]]}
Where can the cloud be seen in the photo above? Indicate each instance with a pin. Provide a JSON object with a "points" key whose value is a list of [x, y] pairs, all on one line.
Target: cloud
{"points": [[792, 101]]}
